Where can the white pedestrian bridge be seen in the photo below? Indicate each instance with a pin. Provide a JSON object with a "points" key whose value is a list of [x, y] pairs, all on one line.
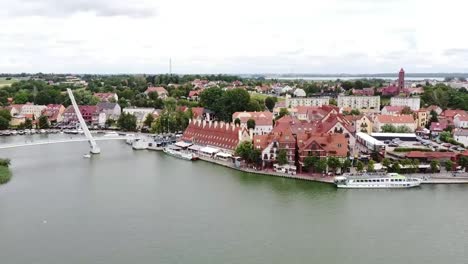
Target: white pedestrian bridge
{"points": [[56, 141]]}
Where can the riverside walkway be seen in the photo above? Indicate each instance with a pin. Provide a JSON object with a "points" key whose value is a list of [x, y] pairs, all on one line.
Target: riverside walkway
{"points": [[46, 142], [429, 178]]}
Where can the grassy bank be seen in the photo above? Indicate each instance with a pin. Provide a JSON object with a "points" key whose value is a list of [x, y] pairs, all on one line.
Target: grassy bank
{"points": [[5, 174]]}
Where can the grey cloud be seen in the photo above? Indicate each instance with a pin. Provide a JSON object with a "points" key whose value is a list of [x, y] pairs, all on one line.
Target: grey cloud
{"points": [[59, 8]]}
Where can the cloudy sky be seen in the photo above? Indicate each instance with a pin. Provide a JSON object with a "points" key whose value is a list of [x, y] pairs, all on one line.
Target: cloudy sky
{"points": [[241, 36]]}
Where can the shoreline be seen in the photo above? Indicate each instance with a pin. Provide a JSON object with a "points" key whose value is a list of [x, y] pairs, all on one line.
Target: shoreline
{"points": [[328, 179]]}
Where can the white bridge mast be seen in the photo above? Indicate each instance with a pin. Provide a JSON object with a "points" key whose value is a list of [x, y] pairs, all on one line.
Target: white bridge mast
{"points": [[94, 147]]}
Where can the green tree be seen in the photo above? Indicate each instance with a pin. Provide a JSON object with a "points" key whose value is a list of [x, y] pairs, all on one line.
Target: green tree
{"points": [[212, 98], [244, 150], [359, 166], [403, 129], [333, 102], [448, 165], [355, 112], [333, 163], [396, 167], [406, 111], [127, 122], [414, 165], [321, 166], [310, 161], [270, 103], [254, 106], [148, 120], [388, 128], [43, 122], [234, 100], [282, 112], [346, 165], [237, 122], [433, 118], [110, 122], [282, 157], [153, 95], [371, 166], [4, 123], [28, 124], [251, 124], [464, 162], [5, 114], [434, 166], [386, 163]]}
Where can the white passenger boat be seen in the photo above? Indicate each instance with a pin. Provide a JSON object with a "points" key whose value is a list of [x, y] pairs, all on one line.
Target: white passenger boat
{"points": [[129, 138], [378, 181], [156, 145], [139, 144], [180, 153]]}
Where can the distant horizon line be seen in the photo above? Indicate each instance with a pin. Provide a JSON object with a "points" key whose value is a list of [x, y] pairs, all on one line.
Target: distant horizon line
{"points": [[415, 74]]}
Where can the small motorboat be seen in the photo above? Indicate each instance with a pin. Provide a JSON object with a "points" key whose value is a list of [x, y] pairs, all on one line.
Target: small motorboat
{"points": [[87, 156]]}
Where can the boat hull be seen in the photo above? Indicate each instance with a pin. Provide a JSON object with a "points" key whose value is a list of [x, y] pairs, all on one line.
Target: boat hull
{"points": [[396, 186]]}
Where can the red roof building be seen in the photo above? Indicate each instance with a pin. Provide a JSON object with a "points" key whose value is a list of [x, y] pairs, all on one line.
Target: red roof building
{"points": [[89, 113], [322, 145], [263, 121], [216, 134], [162, 92], [54, 112]]}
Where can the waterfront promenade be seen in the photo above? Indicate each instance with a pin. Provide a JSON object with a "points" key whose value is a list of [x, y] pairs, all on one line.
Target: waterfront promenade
{"points": [[440, 178]]}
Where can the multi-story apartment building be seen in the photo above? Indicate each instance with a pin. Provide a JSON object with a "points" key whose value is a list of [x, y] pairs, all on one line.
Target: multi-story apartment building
{"points": [[412, 102], [306, 101], [359, 102]]}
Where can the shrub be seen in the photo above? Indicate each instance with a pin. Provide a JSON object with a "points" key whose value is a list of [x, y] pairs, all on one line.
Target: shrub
{"points": [[5, 174], [5, 162]]}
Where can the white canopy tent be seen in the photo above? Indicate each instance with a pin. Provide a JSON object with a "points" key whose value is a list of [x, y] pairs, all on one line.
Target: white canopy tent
{"points": [[183, 144], [209, 150]]}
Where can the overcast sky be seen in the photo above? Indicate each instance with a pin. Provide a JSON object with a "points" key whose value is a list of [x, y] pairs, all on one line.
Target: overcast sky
{"points": [[240, 36]]}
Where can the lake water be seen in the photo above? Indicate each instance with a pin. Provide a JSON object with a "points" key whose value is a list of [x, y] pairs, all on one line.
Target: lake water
{"points": [[126, 206]]}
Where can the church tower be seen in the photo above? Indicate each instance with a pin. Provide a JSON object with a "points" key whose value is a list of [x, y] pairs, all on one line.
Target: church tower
{"points": [[401, 81]]}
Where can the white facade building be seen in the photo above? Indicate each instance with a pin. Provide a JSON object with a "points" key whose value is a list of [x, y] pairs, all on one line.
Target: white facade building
{"points": [[412, 102], [461, 136], [299, 93], [460, 121], [32, 109], [359, 102], [306, 101], [140, 113]]}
